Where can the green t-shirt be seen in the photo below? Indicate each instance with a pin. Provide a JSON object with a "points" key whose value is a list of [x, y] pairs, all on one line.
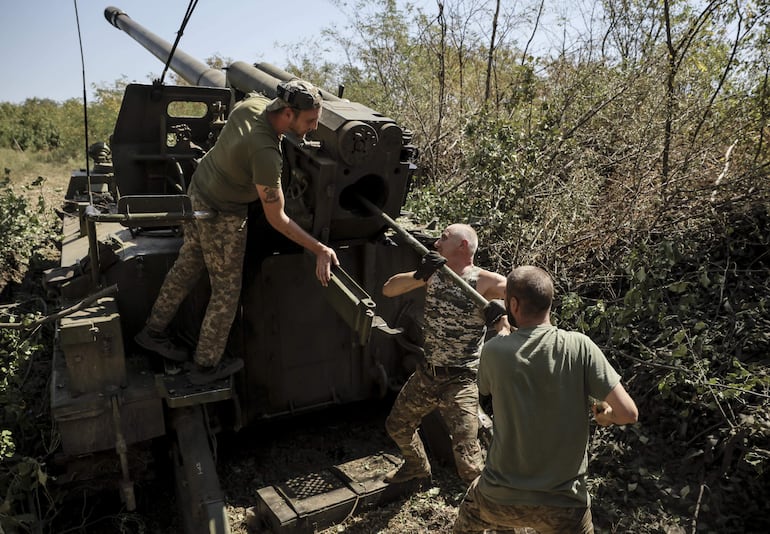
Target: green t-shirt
{"points": [[540, 380], [246, 154]]}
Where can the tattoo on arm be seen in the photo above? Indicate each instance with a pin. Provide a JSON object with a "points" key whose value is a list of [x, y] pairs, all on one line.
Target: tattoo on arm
{"points": [[271, 194]]}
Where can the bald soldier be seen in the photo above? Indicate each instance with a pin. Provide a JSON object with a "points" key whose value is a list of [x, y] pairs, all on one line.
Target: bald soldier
{"points": [[454, 331]]}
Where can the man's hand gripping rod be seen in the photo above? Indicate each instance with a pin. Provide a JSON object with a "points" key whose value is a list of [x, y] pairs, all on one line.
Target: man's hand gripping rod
{"points": [[419, 247]]}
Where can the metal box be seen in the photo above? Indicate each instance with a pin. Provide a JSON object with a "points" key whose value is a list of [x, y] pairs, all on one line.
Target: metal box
{"points": [[92, 342], [317, 500], [97, 421]]}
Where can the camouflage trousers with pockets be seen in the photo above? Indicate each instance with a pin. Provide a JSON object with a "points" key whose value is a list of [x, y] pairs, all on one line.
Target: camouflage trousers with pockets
{"points": [[457, 401], [477, 514], [216, 246]]}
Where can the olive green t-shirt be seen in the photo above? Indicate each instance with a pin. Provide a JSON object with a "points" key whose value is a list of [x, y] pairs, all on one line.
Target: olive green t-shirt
{"points": [[540, 380], [246, 154]]}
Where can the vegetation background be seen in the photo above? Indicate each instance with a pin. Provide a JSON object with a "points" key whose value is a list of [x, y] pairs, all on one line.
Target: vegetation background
{"points": [[632, 164]]}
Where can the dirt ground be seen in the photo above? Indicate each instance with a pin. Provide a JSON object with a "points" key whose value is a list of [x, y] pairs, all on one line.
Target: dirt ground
{"points": [[294, 448], [52, 178]]}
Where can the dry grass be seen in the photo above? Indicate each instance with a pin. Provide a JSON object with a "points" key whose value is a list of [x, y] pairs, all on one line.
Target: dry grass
{"points": [[23, 168]]}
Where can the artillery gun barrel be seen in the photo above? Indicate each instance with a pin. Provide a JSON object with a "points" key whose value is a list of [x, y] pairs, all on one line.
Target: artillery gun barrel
{"points": [[189, 68], [245, 78], [263, 77], [242, 76], [281, 74]]}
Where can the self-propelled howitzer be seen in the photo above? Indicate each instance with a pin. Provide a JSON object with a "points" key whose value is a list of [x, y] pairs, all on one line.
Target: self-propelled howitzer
{"points": [[305, 347]]}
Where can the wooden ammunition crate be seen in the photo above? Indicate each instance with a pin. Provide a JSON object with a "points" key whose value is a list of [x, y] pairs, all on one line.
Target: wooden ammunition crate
{"points": [[92, 342], [91, 422], [314, 501]]}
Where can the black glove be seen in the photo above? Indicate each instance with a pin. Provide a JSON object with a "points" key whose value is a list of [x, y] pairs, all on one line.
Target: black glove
{"points": [[493, 312], [429, 264]]}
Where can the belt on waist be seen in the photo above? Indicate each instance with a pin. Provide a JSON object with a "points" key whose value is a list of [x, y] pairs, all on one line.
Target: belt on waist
{"points": [[437, 370]]}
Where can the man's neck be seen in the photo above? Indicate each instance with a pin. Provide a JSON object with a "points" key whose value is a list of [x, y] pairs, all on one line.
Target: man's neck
{"points": [[275, 121], [460, 265], [533, 323]]}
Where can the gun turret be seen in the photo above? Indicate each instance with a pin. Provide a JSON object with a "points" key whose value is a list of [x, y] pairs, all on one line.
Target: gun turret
{"points": [[355, 151]]}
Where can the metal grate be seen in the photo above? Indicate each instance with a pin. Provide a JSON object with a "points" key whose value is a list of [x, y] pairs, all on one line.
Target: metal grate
{"points": [[311, 484]]}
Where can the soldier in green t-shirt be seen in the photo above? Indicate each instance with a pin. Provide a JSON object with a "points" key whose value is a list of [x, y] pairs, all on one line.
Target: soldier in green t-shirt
{"points": [[243, 166], [541, 380]]}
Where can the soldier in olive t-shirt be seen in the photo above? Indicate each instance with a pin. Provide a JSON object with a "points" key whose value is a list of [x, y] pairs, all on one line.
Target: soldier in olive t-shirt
{"points": [[546, 462], [247, 154], [541, 380], [244, 166]]}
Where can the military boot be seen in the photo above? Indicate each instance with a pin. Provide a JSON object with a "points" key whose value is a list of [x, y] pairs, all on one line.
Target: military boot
{"points": [[159, 343], [409, 470], [200, 375]]}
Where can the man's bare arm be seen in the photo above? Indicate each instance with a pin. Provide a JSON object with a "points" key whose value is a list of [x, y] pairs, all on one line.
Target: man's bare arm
{"points": [[491, 285], [401, 283], [272, 204], [617, 408]]}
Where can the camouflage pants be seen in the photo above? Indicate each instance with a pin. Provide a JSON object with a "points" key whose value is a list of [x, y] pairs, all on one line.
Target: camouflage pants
{"points": [[457, 401], [215, 245], [478, 513]]}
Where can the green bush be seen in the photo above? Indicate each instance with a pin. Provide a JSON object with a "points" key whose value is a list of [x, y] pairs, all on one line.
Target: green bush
{"points": [[686, 319], [24, 423], [22, 227]]}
